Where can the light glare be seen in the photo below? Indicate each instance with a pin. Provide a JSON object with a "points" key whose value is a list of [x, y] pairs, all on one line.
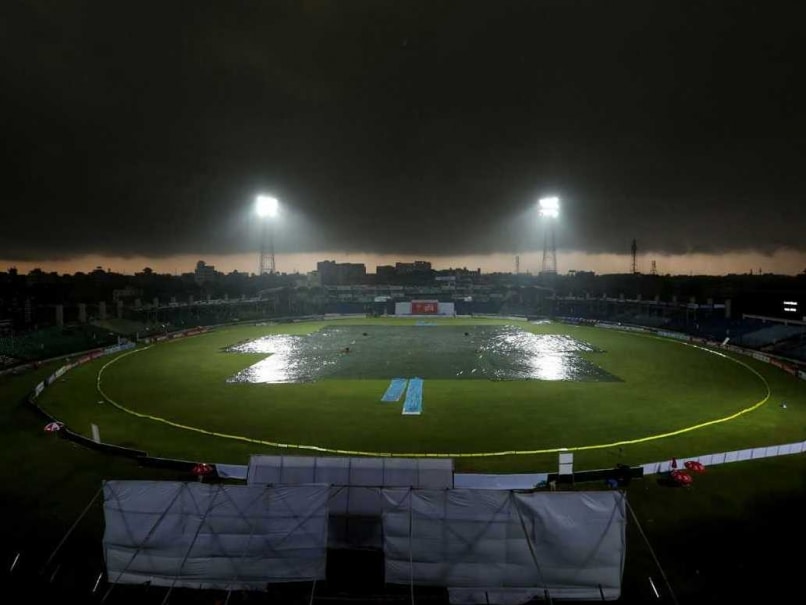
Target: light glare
{"points": [[549, 207], [266, 206]]}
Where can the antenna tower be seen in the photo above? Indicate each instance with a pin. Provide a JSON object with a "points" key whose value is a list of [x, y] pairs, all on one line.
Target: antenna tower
{"points": [[634, 249]]}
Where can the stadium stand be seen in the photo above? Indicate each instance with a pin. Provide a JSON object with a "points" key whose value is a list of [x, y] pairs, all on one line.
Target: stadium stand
{"points": [[796, 352], [642, 319], [6, 361], [124, 327], [715, 328], [768, 336], [53, 342]]}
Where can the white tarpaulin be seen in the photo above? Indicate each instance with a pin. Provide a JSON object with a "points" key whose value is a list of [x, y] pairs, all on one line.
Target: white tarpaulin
{"points": [[228, 537], [356, 502], [433, 473], [231, 471], [509, 481], [485, 544]]}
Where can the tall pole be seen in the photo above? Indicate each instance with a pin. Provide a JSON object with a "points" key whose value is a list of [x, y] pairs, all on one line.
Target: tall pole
{"points": [[549, 250], [267, 246], [549, 209], [272, 267], [266, 210], [262, 262], [262, 252]]}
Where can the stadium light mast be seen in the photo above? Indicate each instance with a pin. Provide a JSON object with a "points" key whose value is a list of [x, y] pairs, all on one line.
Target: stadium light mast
{"points": [[266, 209], [549, 208]]}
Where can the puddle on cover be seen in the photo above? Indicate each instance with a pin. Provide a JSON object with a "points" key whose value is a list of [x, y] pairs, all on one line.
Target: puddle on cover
{"points": [[447, 352]]}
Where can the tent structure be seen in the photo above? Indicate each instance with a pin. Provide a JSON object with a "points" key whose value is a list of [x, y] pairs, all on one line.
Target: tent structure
{"points": [[228, 537], [490, 546], [483, 545], [356, 502]]}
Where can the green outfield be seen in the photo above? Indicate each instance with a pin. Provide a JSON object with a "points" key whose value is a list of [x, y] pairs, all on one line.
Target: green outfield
{"points": [[722, 528], [665, 399]]}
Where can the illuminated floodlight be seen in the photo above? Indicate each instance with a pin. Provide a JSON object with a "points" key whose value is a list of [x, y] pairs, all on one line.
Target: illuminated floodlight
{"points": [[266, 206], [549, 207]]}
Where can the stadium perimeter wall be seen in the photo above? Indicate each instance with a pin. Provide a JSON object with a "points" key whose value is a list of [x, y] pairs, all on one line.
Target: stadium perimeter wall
{"points": [[81, 359], [503, 481]]}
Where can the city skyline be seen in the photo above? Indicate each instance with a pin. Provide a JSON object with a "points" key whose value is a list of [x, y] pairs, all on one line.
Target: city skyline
{"points": [[787, 262]]}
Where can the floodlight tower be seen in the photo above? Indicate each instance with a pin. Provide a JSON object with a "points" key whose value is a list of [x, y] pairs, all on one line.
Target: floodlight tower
{"points": [[549, 208], [266, 210]]}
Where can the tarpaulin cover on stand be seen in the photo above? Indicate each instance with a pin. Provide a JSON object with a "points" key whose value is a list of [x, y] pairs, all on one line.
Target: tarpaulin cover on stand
{"points": [[480, 543], [356, 501], [227, 537]]}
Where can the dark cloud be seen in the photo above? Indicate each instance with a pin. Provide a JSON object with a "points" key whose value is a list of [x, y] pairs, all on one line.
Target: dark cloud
{"points": [[403, 127]]}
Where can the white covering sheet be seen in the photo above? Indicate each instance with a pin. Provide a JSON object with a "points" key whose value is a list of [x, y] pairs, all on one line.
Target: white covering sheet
{"points": [[482, 542], [214, 536]]}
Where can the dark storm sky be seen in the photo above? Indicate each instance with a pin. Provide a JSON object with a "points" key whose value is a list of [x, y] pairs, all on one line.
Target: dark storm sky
{"points": [[427, 127]]}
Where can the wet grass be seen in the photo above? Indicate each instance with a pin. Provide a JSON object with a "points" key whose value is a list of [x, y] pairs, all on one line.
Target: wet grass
{"points": [[721, 540], [665, 387]]}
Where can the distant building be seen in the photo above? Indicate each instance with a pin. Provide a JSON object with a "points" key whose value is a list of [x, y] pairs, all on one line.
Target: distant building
{"points": [[39, 277], [314, 279], [204, 273], [385, 274], [462, 272], [332, 273], [418, 266]]}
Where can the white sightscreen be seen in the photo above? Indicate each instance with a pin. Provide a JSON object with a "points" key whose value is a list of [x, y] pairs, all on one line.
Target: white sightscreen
{"points": [[229, 537], [355, 496], [446, 308], [402, 308], [485, 542]]}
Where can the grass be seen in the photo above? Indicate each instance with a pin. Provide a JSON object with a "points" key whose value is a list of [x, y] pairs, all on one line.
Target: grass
{"points": [[665, 387], [721, 540], [724, 540], [47, 482]]}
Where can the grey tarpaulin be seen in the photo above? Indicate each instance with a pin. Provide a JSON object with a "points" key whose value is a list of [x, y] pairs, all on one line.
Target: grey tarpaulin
{"points": [[506, 545], [228, 537], [356, 501], [434, 473], [231, 471], [509, 481]]}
